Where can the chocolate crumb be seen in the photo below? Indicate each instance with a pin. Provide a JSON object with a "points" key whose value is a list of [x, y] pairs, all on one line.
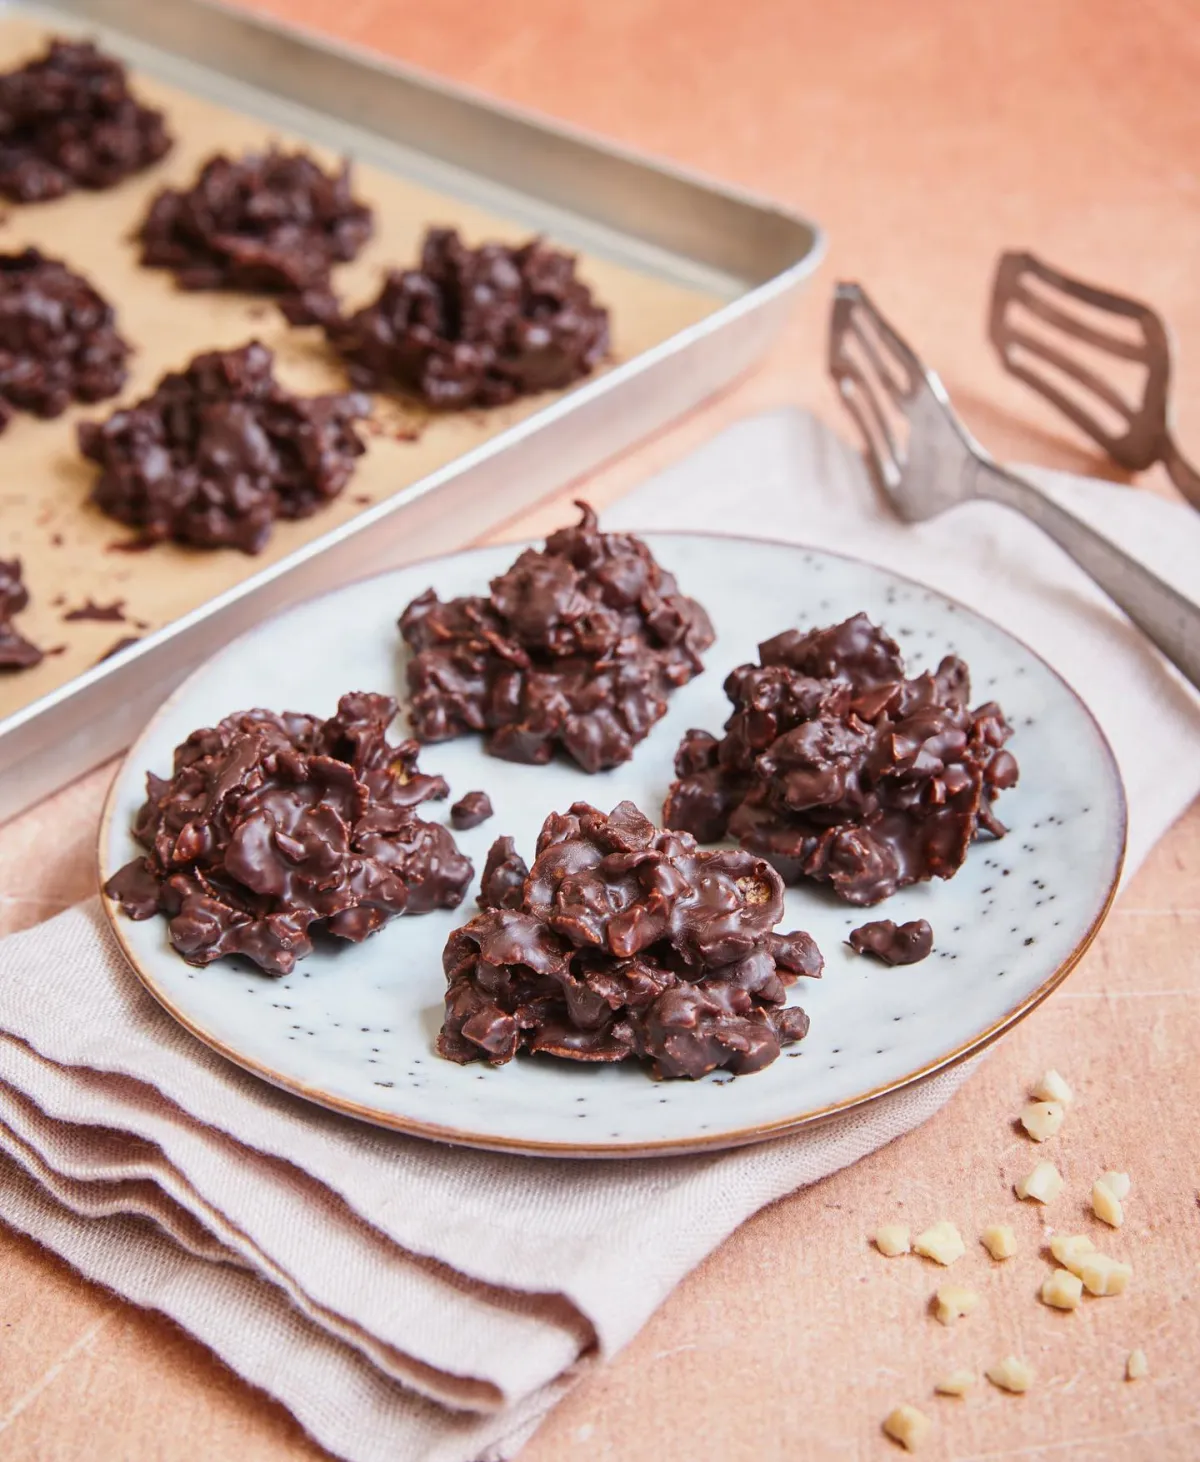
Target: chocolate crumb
{"points": [[16, 652], [112, 613], [115, 649], [57, 540], [903, 944], [470, 810]]}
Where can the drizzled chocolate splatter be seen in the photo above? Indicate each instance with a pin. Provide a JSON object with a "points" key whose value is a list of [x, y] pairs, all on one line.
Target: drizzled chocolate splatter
{"points": [[577, 646], [625, 941], [113, 613], [272, 828], [16, 652], [837, 767], [894, 944]]}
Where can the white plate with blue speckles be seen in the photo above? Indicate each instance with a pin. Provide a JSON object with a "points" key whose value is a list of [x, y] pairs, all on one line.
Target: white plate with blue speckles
{"points": [[353, 1027]]}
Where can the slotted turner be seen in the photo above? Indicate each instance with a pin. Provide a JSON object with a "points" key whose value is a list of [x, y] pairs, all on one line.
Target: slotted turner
{"points": [[1147, 437], [926, 461]]}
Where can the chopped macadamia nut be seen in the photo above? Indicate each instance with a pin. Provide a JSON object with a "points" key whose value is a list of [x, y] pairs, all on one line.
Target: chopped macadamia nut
{"points": [[908, 1426], [1044, 1183], [1071, 1249], [942, 1243], [1011, 1374], [1052, 1088], [957, 1383], [1104, 1276], [1106, 1206], [953, 1302], [1136, 1366], [1118, 1184], [1063, 1290], [892, 1239], [999, 1240], [1042, 1119]]}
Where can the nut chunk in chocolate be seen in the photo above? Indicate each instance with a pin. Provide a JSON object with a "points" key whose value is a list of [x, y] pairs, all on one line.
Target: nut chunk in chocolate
{"points": [[266, 223], [894, 944], [838, 767], [475, 327], [627, 941], [577, 646], [220, 450], [273, 827], [68, 120], [16, 652], [58, 340]]}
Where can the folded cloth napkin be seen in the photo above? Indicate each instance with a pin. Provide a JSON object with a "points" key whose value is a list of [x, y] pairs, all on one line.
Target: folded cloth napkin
{"points": [[406, 1301]]}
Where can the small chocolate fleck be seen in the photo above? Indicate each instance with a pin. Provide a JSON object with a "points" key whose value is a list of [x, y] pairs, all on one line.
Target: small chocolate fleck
{"points": [[115, 649], [470, 810], [902, 944], [113, 613]]}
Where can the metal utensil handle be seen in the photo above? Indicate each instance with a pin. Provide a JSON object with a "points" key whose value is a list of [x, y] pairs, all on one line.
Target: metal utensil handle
{"points": [[1163, 614]]}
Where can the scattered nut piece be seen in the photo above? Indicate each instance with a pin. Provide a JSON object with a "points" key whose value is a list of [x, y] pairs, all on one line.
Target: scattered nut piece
{"points": [[892, 1239], [942, 1243], [999, 1240], [1106, 1206], [1136, 1366], [1063, 1290], [1011, 1374], [908, 1426], [1104, 1276], [1052, 1088], [958, 1383], [953, 1302], [1045, 1183], [1117, 1184], [1070, 1250], [1042, 1119]]}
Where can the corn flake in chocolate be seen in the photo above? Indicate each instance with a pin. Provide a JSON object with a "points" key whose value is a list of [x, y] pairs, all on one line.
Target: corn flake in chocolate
{"points": [[274, 827], [626, 941], [837, 767]]}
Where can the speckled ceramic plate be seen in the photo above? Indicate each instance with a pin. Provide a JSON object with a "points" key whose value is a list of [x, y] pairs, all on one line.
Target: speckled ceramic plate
{"points": [[353, 1027]]}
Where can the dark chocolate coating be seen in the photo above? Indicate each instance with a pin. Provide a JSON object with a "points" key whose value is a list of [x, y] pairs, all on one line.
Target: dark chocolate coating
{"points": [[475, 327], [837, 767], [220, 450], [68, 120], [504, 875], [266, 223], [894, 944], [16, 652], [274, 826], [626, 941], [470, 810], [577, 646], [58, 338]]}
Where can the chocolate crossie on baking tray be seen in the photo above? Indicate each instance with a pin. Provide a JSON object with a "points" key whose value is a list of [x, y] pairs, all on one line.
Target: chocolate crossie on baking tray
{"points": [[220, 450], [837, 767], [16, 652], [577, 646], [272, 827], [68, 120], [627, 942], [475, 327]]}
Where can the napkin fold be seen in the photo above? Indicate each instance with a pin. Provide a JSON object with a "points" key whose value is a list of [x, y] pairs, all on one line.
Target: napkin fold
{"points": [[408, 1301]]}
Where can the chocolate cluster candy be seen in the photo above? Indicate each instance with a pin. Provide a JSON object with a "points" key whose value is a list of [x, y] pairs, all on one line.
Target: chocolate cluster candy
{"points": [[475, 327], [892, 943], [626, 941], [16, 652], [68, 120], [220, 450], [274, 827], [838, 767], [58, 339], [268, 223], [577, 646]]}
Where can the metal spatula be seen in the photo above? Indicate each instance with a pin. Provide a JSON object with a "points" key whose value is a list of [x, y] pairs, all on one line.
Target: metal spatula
{"points": [[1146, 436], [926, 461]]}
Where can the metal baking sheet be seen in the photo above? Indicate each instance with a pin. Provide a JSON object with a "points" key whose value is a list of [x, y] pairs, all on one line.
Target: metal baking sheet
{"points": [[698, 277]]}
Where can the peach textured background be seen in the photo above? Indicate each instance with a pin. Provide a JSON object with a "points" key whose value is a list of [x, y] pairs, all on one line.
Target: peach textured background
{"points": [[925, 137]]}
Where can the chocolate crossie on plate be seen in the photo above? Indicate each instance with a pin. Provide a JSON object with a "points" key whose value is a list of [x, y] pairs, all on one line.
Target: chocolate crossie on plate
{"points": [[274, 826], [838, 767], [475, 327], [58, 338], [269, 223], [627, 941], [68, 120], [577, 646], [16, 652], [221, 449]]}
